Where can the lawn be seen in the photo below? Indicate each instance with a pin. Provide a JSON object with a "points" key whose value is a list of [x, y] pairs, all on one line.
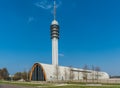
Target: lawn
{"points": [[88, 87], [52, 85]]}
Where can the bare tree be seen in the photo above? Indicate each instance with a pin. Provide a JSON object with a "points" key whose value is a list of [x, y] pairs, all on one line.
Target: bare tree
{"points": [[85, 74], [21, 75], [65, 74], [17, 76], [57, 72], [97, 69], [71, 73], [78, 73], [93, 73]]}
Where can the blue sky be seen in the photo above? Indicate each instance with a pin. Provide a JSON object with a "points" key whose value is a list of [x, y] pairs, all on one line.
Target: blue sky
{"points": [[89, 33]]}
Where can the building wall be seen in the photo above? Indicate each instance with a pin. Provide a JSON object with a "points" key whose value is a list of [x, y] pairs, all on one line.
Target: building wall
{"points": [[68, 73]]}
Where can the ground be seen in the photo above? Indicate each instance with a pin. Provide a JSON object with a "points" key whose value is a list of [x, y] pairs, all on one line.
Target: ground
{"points": [[7, 84], [69, 86], [12, 86]]}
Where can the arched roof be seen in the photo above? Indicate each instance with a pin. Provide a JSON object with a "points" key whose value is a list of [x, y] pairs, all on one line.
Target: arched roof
{"points": [[34, 66]]}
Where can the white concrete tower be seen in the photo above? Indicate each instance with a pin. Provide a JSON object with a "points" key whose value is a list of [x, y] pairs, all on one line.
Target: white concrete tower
{"points": [[54, 36]]}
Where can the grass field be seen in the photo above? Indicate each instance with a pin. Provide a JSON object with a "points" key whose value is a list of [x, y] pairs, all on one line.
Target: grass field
{"points": [[54, 85]]}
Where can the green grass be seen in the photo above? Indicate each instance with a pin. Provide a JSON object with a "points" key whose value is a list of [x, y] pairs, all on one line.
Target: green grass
{"points": [[52, 85], [84, 87], [24, 83]]}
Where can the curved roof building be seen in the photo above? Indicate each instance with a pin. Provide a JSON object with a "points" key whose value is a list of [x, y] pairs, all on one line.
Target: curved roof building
{"points": [[47, 72]]}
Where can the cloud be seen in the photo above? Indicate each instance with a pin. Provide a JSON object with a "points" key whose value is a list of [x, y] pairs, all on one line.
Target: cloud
{"points": [[61, 55], [59, 4], [44, 4], [30, 19], [47, 4]]}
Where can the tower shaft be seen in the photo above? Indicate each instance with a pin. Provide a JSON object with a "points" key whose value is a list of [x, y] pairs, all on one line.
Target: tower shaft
{"points": [[55, 51], [54, 36]]}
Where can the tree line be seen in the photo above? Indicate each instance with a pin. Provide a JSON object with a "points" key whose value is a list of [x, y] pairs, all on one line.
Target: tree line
{"points": [[21, 75], [4, 75]]}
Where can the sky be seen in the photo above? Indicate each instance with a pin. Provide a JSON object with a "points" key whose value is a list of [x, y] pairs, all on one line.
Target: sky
{"points": [[89, 34]]}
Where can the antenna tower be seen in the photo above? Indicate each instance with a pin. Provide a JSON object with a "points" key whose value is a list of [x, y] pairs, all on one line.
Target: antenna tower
{"points": [[54, 9]]}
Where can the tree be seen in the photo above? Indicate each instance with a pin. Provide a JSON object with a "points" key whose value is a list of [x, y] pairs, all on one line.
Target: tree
{"points": [[57, 72], [65, 74], [71, 73], [25, 75], [21, 75], [0, 74], [93, 73], [17, 76], [4, 74], [97, 69], [85, 74]]}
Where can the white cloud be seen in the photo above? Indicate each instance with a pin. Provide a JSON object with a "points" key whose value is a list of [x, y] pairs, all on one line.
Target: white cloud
{"points": [[61, 55], [30, 19], [59, 4], [44, 4], [47, 4]]}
